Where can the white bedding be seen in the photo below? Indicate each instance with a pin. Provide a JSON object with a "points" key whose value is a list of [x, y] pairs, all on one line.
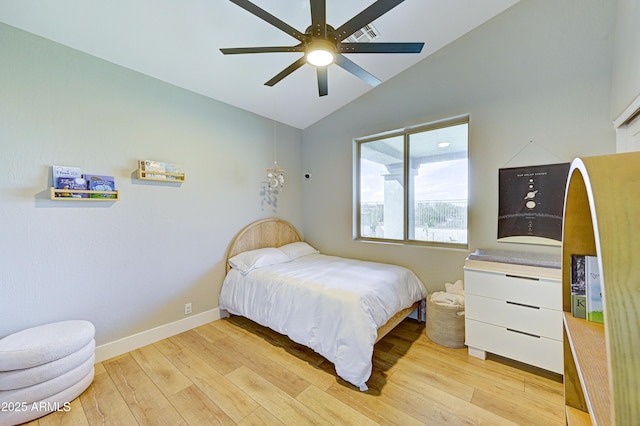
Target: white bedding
{"points": [[331, 304]]}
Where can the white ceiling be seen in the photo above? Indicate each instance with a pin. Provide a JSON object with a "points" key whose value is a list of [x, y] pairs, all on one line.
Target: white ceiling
{"points": [[178, 41]]}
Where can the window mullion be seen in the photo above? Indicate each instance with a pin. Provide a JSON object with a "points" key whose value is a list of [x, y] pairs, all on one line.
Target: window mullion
{"points": [[406, 187]]}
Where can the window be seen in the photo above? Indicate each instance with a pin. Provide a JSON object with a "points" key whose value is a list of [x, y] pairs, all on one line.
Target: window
{"points": [[411, 185]]}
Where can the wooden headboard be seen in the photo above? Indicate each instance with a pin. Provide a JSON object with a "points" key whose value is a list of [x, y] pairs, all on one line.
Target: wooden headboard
{"points": [[263, 233]]}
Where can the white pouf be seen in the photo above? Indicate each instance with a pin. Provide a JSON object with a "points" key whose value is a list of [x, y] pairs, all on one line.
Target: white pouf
{"points": [[46, 389], [42, 369], [27, 412], [46, 343], [16, 379]]}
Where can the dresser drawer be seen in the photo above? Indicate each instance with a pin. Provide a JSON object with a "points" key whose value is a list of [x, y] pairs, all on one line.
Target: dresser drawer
{"points": [[536, 320], [539, 351], [533, 291]]}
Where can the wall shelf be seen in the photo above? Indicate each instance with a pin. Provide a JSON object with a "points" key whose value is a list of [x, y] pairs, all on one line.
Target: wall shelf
{"points": [[57, 195], [158, 175], [601, 362]]}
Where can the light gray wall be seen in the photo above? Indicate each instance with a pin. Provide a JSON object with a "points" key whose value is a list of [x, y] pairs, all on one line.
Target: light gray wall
{"points": [[540, 71], [131, 265], [626, 70]]}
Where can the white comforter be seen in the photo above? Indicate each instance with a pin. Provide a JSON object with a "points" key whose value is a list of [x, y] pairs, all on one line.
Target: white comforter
{"points": [[331, 304]]}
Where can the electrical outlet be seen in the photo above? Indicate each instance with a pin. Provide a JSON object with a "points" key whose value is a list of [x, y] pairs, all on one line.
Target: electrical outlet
{"points": [[187, 308]]}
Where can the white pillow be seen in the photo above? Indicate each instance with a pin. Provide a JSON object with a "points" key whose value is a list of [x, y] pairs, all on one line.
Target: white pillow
{"points": [[298, 249], [247, 261]]}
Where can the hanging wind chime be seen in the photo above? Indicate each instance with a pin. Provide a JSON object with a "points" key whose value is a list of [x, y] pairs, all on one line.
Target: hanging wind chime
{"points": [[275, 175]]}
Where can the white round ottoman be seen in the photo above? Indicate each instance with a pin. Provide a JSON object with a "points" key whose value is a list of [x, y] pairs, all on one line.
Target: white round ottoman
{"points": [[43, 368], [15, 379], [45, 343], [59, 401]]}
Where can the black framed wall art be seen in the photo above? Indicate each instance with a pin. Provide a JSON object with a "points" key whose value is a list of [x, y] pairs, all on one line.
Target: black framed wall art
{"points": [[530, 203]]}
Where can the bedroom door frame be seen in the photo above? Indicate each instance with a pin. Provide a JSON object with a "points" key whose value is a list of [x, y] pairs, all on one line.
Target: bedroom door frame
{"points": [[627, 127]]}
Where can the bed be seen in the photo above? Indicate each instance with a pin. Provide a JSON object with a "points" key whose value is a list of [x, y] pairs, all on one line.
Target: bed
{"points": [[338, 307]]}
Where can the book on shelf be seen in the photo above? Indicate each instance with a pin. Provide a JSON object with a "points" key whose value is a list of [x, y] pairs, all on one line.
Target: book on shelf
{"points": [[153, 166], [579, 305], [71, 183], [66, 177], [578, 286], [100, 183], [586, 289], [162, 167], [594, 290], [173, 168], [65, 171]]}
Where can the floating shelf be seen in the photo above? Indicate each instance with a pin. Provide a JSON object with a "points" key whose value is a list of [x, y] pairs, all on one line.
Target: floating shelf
{"points": [[57, 195], [158, 176]]}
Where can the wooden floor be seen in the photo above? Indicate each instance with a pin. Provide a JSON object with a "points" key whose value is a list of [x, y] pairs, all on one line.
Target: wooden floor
{"points": [[233, 371]]}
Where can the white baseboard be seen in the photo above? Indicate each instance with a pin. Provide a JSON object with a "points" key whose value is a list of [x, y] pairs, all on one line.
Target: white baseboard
{"points": [[130, 343]]}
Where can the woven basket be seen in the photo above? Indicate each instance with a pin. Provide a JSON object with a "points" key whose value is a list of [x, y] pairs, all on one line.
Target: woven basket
{"points": [[444, 326]]}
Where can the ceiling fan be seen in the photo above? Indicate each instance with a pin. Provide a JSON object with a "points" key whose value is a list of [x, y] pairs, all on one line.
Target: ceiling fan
{"points": [[323, 45]]}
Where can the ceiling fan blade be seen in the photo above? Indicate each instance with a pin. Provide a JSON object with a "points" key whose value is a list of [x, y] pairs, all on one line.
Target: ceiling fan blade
{"points": [[323, 81], [319, 17], [356, 70], [266, 16], [380, 47], [365, 17], [273, 49], [285, 72]]}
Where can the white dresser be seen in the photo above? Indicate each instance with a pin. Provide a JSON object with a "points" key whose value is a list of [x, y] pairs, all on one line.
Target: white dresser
{"points": [[514, 309]]}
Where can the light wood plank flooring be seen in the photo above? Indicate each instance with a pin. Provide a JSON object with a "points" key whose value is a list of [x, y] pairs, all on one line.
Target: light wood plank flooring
{"points": [[233, 371]]}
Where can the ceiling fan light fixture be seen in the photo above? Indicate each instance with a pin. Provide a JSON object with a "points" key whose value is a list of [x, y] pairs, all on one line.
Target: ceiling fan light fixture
{"points": [[324, 45], [321, 53]]}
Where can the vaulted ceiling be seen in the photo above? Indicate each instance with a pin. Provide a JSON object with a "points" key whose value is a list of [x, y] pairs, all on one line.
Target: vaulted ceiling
{"points": [[179, 42]]}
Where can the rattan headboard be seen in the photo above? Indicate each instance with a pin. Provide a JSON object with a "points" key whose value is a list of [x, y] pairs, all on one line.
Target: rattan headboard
{"points": [[270, 232]]}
